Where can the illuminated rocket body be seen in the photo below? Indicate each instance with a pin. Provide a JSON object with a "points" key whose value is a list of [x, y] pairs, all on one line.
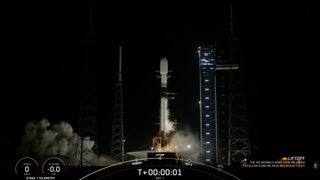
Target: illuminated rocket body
{"points": [[163, 142], [164, 115]]}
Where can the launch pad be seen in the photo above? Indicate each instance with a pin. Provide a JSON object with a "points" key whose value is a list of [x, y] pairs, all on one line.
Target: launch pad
{"points": [[162, 155]]}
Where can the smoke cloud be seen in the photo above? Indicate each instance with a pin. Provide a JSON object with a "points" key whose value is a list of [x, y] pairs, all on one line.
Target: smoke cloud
{"points": [[183, 141], [187, 144], [42, 140]]}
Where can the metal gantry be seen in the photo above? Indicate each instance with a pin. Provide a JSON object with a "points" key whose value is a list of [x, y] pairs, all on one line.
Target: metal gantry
{"points": [[117, 142]]}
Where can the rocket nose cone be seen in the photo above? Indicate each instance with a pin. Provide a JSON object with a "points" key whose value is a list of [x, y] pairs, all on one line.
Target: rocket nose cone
{"points": [[164, 65]]}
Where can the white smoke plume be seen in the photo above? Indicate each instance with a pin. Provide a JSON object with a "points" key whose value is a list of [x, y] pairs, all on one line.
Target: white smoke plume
{"points": [[186, 143], [42, 140], [169, 126], [183, 141]]}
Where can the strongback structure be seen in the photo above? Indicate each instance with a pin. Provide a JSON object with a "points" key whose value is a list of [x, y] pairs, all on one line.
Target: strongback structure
{"points": [[117, 142], [87, 126], [207, 105], [223, 132]]}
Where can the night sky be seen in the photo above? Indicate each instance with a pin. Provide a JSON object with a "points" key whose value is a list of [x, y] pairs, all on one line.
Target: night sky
{"points": [[43, 48]]}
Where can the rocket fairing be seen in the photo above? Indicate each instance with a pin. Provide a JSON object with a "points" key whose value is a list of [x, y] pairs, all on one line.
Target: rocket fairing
{"points": [[164, 72]]}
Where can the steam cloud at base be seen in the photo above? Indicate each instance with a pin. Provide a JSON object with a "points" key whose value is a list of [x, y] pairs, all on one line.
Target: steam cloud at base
{"points": [[42, 140], [185, 144]]}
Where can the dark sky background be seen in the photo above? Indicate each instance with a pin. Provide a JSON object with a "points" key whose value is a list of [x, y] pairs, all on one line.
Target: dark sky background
{"points": [[43, 48]]}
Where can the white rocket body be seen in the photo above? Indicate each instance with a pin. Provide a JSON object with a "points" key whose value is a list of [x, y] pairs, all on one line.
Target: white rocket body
{"points": [[164, 111], [163, 141]]}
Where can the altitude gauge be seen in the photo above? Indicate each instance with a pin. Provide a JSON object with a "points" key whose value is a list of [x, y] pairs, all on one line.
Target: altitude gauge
{"points": [[54, 167]]}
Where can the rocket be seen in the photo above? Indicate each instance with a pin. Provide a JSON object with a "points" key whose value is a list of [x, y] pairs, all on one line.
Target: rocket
{"points": [[163, 94], [162, 141]]}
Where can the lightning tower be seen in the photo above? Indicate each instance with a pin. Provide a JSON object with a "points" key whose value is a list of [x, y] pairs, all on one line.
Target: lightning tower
{"points": [[87, 129], [117, 142], [238, 141]]}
